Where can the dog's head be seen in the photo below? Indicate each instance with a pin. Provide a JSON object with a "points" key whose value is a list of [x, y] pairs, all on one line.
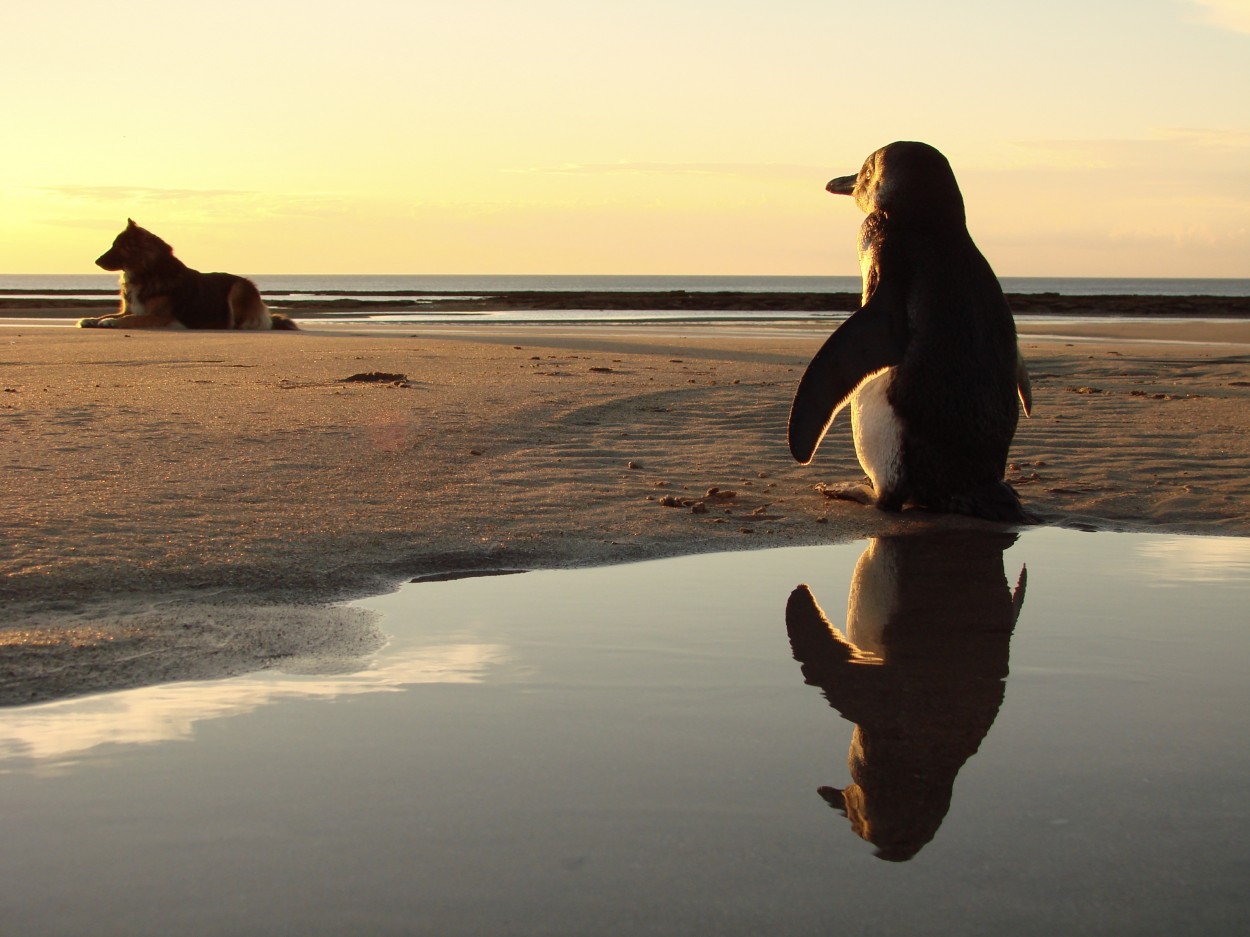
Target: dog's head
{"points": [[134, 249]]}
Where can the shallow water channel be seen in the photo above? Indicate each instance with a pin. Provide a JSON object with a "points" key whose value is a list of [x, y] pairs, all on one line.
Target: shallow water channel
{"points": [[964, 733]]}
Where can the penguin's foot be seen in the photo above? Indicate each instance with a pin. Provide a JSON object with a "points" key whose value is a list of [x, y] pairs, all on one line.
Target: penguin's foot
{"points": [[996, 502], [861, 493]]}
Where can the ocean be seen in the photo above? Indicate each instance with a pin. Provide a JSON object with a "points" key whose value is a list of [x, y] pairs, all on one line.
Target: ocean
{"points": [[291, 291], [333, 285]]}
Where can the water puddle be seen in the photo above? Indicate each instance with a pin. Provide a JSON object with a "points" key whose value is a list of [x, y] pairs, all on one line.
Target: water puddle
{"points": [[965, 733]]}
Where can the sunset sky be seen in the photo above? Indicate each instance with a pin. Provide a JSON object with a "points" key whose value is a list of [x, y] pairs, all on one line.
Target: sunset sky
{"points": [[1090, 137]]}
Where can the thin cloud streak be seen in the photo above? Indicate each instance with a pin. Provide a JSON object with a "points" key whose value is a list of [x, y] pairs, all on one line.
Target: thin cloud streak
{"points": [[185, 204], [752, 170], [1232, 15], [132, 193]]}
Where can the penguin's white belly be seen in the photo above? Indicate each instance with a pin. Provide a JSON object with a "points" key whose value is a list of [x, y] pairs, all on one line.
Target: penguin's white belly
{"points": [[877, 431]]}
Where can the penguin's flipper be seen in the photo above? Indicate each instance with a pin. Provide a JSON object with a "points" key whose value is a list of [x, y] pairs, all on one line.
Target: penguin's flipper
{"points": [[1017, 596], [862, 346], [1023, 387], [818, 644]]}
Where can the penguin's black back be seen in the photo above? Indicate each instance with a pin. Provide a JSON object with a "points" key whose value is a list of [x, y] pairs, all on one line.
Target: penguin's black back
{"points": [[955, 389]]}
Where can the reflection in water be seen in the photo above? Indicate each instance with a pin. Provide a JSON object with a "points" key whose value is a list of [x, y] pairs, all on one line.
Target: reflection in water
{"points": [[57, 659], [55, 733], [1194, 559], [920, 672]]}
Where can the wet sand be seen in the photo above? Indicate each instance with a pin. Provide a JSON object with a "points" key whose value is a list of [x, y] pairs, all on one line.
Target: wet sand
{"points": [[156, 472]]}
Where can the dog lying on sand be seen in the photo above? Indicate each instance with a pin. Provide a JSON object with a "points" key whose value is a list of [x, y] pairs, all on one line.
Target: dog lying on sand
{"points": [[159, 291]]}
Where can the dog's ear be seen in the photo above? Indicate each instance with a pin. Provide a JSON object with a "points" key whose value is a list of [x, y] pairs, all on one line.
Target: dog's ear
{"points": [[131, 223]]}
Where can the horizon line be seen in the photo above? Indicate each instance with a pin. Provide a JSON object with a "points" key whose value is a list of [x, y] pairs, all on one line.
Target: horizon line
{"points": [[740, 276]]}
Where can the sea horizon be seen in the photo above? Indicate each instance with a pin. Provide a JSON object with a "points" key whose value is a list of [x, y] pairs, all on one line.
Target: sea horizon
{"points": [[32, 285]]}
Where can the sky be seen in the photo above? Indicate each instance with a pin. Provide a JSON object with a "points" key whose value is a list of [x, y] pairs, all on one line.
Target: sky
{"points": [[1090, 137]]}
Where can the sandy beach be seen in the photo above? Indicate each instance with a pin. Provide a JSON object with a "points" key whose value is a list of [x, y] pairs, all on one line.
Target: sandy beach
{"points": [[151, 473]]}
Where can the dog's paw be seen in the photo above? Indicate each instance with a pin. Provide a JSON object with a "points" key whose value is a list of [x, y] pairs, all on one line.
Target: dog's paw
{"points": [[89, 323]]}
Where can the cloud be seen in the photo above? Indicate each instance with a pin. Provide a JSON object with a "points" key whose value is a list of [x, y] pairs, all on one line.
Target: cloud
{"points": [[1174, 159], [624, 167], [1175, 140], [128, 193], [91, 202], [1233, 15]]}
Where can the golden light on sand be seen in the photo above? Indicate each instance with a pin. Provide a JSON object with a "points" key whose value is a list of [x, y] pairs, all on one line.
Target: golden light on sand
{"points": [[55, 637]]}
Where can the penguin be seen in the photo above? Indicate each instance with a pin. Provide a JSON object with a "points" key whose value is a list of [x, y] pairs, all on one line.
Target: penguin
{"points": [[929, 363]]}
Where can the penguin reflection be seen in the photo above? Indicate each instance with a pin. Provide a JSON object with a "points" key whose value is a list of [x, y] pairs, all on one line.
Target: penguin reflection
{"points": [[920, 672]]}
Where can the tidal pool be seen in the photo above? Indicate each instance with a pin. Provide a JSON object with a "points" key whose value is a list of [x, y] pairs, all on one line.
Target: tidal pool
{"points": [[962, 733]]}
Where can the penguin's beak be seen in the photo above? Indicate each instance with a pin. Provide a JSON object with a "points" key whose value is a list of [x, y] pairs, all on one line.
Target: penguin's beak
{"points": [[843, 185]]}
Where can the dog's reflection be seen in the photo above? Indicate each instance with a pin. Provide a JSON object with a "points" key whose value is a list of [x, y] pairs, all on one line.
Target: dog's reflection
{"points": [[920, 671]]}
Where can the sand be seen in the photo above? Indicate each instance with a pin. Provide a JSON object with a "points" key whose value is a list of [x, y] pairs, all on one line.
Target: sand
{"points": [[166, 491]]}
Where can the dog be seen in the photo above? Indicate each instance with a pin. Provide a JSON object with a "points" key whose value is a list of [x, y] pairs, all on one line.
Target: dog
{"points": [[159, 291]]}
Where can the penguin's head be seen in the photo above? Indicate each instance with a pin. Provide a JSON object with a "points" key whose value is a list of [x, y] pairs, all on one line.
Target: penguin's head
{"points": [[905, 180]]}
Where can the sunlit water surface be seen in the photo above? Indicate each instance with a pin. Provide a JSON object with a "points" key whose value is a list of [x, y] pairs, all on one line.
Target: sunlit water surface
{"points": [[958, 735]]}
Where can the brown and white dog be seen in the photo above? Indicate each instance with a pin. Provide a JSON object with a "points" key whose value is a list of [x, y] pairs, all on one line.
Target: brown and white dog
{"points": [[159, 291]]}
